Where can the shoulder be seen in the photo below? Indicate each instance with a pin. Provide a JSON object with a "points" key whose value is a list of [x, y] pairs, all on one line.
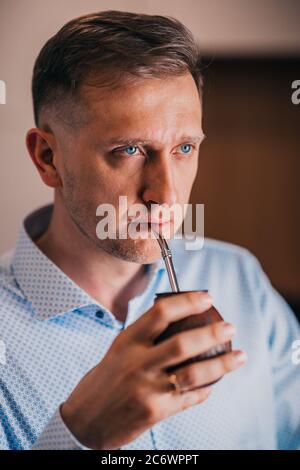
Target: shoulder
{"points": [[217, 265], [213, 249]]}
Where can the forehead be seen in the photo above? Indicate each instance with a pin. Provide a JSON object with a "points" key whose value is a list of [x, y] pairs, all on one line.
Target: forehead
{"points": [[152, 105]]}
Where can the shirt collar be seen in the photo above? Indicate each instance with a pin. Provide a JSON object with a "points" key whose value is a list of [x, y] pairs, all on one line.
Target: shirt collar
{"points": [[50, 291]]}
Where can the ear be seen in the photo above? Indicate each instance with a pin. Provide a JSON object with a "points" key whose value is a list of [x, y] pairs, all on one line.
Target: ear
{"points": [[41, 147]]}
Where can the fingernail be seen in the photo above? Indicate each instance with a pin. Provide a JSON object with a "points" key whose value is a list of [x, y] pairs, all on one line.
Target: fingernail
{"points": [[240, 357], [228, 330]]}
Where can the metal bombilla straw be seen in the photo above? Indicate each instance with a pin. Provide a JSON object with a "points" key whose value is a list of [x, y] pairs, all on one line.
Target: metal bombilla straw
{"points": [[167, 257]]}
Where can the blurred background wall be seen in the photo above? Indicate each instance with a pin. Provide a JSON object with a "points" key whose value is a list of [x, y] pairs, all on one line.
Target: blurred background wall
{"points": [[249, 165]]}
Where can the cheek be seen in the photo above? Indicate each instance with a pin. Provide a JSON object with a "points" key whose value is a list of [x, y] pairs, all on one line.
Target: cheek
{"points": [[103, 186], [91, 179], [108, 178], [184, 182]]}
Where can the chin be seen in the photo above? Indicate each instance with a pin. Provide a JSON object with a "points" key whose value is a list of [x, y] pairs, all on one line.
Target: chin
{"points": [[143, 248], [142, 251]]}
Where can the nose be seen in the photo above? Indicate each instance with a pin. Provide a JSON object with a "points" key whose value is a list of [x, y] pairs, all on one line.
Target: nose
{"points": [[159, 186]]}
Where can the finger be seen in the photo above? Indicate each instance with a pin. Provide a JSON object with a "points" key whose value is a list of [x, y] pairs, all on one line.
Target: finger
{"points": [[202, 373], [169, 401], [181, 402], [190, 343], [167, 310]]}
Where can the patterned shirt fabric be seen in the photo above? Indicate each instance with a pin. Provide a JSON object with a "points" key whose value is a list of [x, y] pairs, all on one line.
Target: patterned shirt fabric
{"points": [[52, 333]]}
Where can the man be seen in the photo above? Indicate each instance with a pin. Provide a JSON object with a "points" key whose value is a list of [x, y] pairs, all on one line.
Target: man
{"points": [[117, 104]]}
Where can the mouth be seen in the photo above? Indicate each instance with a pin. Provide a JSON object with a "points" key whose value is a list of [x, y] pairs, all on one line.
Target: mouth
{"points": [[153, 225], [161, 227], [153, 229], [150, 222]]}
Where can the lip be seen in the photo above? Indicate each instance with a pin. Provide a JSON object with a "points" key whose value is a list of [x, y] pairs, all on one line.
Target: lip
{"points": [[153, 225], [151, 222], [159, 224]]}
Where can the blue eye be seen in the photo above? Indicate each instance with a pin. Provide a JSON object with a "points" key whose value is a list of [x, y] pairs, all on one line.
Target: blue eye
{"points": [[186, 148], [130, 150]]}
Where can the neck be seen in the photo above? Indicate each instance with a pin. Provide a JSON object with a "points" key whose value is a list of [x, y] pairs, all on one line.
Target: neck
{"points": [[109, 280]]}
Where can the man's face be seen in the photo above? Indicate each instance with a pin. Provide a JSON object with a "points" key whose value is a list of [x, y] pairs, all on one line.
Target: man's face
{"points": [[143, 143]]}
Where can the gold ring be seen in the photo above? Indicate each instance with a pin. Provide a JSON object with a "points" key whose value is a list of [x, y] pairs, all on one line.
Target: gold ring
{"points": [[173, 381]]}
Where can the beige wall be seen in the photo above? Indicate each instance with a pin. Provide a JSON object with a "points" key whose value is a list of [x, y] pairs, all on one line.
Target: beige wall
{"points": [[221, 26]]}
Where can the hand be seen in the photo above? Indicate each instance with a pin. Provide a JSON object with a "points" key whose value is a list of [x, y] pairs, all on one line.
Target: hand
{"points": [[129, 391]]}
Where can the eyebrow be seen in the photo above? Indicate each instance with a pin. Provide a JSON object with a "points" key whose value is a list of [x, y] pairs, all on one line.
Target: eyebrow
{"points": [[125, 141]]}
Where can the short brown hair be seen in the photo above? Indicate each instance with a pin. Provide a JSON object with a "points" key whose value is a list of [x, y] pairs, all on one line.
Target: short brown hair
{"points": [[114, 44]]}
